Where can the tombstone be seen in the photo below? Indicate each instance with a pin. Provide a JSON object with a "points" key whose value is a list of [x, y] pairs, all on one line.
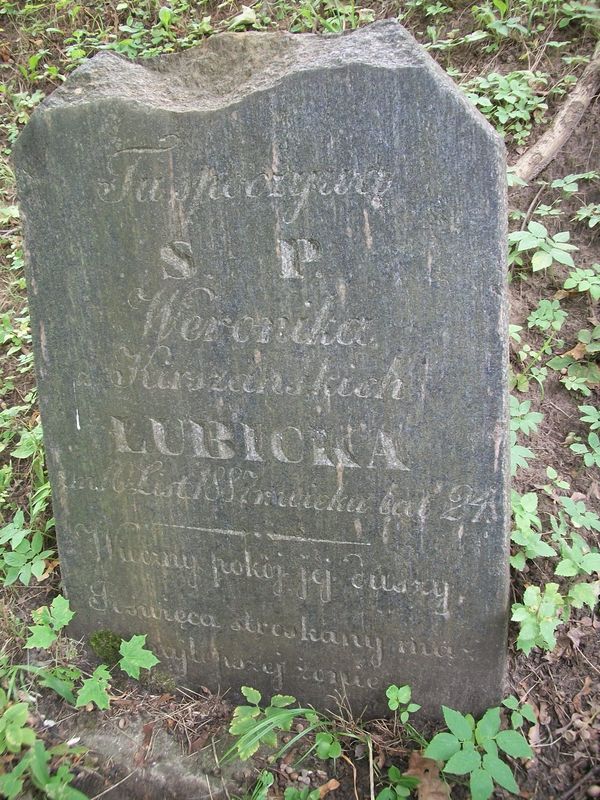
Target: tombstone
{"points": [[267, 288]]}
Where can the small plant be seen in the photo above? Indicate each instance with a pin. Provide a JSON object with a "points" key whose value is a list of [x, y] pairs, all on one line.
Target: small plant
{"points": [[522, 418], [519, 712], [327, 745], [255, 726], [399, 785], [398, 698], [473, 749], [49, 622], [94, 689], [548, 315], [577, 558], [34, 766], [511, 102], [519, 454], [591, 415], [589, 213], [569, 185], [527, 532], [542, 611], [578, 366], [22, 554], [585, 280], [547, 249], [589, 451], [538, 615]]}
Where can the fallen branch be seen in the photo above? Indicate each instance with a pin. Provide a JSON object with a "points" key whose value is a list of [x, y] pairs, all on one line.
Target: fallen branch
{"points": [[534, 160]]}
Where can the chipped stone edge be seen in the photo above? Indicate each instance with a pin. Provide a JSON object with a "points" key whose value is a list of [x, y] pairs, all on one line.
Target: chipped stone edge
{"points": [[227, 68]]}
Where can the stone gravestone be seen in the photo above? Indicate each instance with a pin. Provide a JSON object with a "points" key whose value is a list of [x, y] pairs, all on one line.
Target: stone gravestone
{"points": [[267, 286]]}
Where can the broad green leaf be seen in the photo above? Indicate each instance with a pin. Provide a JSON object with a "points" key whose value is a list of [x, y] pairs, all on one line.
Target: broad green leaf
{"points": [[252, 695], [489, 725], [458, 724], [514, 744], [463, 762], [500, 772], [61, 612], [481, 785], [41, 637], [584, 594], [281, 700], [541, 260], [591, 562], [403, 695], [528, 713], [537, 229], [16, 714], [135, 656], [442, 747], [11, 786], [93, 690]]}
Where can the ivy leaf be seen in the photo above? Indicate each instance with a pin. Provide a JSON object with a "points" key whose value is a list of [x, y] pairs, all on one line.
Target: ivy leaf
{"points": [[458, 724], [135, 656], [514, 744]]}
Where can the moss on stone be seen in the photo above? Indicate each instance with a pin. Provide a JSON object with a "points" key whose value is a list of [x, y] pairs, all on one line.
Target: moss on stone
{"points": [[105, 645]]}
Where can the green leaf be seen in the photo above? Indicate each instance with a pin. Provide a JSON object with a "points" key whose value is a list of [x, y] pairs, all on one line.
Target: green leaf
{"points": [[458, 724], [335, 751], [280, 700], [514, 744], [41, 637], [95, 689], [541, 260], [16, 714], [481, 785], [253, 696], [581, 594], [500, 772], [537, 229], [135, 656], [489, 725], [442, 747], [11, 786], [61, 612], [463, 762], [62, 688]]}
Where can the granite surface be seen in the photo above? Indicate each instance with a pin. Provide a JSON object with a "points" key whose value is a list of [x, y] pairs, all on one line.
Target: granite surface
{"points": [[267, 286]]}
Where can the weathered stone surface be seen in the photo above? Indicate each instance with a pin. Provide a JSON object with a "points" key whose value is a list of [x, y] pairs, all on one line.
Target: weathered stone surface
{"points": [[267, 285]]}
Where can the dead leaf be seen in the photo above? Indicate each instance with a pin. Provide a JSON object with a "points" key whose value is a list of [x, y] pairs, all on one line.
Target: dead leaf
{"points": [[431, 786], [199, 742], [561, 294], [330, 786], [577, 352], [576, 634], [139, 759]]}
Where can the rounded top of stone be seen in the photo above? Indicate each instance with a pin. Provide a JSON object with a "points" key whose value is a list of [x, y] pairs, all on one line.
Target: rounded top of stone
{"points": [[226, 68]]}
